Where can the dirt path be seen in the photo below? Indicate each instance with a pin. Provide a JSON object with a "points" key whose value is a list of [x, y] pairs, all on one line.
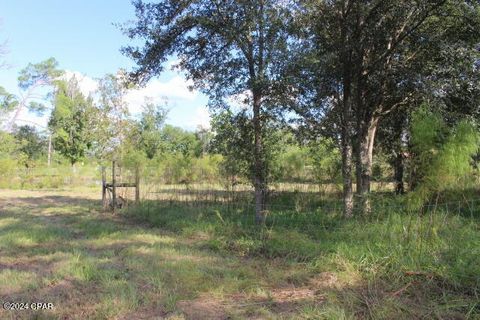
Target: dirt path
{"points": [[57, 248]]}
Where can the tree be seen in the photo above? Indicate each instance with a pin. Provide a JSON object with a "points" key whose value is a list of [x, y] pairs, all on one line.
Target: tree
{"points": [[392, 140], [227, 48], [178, 141], [31, 143], [369, 59], [8, 102], [231, 134], [233, 139], [9, 146], [150, 127], [71, 121], [111, 124], [204, 136], [32, 78]]}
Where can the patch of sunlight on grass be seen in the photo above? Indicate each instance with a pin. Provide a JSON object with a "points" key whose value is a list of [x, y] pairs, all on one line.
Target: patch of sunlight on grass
{"points": [[180, 273], [117, 240], [27, 235], [79, 266], [183, 278], [119, 296], [347, 272], [16, 239], [8, 222], [99, 229], [151, 238], [15, 280], [325, 312], [176, 317], [107, 243], [64, 210]]}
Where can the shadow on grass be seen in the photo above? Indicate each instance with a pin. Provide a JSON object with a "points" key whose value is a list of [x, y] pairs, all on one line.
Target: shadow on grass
{"points": [[90, 264]]}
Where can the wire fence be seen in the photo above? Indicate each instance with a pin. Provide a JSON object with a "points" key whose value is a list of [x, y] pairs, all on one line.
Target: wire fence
{"points": [[50, 177], [287, 202], [295, 205]]}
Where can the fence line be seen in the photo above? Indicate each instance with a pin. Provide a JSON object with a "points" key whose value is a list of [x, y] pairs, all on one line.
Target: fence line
{"points": [[293, 215]]}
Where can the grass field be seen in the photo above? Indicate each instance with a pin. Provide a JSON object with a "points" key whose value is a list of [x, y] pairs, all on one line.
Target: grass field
{"points": [[179, 263]]}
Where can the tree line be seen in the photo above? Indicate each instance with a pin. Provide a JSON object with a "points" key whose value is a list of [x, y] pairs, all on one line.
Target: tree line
{"points": [[342, 69], [325, 84]]}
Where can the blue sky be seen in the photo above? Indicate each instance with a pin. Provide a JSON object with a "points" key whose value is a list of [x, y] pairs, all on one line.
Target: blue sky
{"points": [[83, 39]]}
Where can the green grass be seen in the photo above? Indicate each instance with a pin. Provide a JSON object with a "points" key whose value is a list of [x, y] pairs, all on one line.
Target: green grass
{"points": [[182, 262], [407, 264]]}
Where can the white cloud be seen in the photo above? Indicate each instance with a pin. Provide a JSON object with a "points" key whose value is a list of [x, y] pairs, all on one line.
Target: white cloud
{"points": [[28, 118], [201, 118], [87, 85], [174, 90], [187, 107]]}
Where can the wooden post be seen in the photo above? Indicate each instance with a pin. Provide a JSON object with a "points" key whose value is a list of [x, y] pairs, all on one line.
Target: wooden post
{"points": [[49, 160], [137, 185], [114, 188], [104, 189]]}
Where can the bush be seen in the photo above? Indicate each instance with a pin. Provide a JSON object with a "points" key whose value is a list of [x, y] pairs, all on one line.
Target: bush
{"points": [[443, 156]]}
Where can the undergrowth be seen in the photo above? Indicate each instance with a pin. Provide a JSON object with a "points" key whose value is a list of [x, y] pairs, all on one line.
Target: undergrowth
{"points": [[421, 264]]}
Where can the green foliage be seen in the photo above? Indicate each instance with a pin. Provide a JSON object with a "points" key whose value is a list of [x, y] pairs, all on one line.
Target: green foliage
{"points": [[110, 123], [132, 158], [39, 74], [71, 121], [291, 164], [11, 157], [177, 168], [179, 141], [376, 251], [234, 140], [207, 168], [326, 160], [8, 144], [443, 156], [150, 125], [8, 102], [33, 146], [34, 76], [427, 130], [8, 169]]}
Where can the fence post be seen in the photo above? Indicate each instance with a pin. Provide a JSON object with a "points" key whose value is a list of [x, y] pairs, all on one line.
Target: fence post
{"points": [[137, 185], [114, 188], [104, 189]]}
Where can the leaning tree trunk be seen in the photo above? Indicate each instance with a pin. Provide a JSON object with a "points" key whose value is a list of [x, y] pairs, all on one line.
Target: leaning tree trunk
{"points": [[259, 174]]}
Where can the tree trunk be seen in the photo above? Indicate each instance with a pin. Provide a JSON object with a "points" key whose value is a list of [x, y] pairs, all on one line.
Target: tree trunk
{"points": [[347, 153], [358, 163], [74, 168], [365, 146], [347, 173], [49, 160], [399, 168], [259, 177]]}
